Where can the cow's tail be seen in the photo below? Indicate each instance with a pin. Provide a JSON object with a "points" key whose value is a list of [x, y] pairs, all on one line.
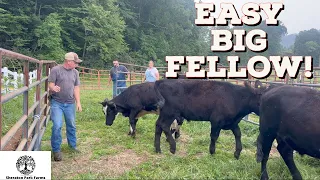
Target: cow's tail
{"points": [[160, 99]]}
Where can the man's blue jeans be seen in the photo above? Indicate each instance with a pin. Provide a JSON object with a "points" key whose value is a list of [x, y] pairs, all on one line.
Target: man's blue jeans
{"points": [[57, 111], [116, 91]]}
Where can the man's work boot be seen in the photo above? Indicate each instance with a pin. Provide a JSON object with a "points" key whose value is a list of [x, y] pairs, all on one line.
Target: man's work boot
{"points": [[57, 156]]}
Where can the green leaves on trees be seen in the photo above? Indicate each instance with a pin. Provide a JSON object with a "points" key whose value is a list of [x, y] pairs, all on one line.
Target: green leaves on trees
{"points": [[308, 44], [103, 31], [132, 31], [49, 38]]}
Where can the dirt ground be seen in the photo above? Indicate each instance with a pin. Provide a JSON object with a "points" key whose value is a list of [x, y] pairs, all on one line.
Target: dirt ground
{"points": [[111, 166], [14, 142]]}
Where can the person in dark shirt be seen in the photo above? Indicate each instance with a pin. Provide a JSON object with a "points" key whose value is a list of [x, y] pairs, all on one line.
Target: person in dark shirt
{"points": [[118, 76], [64, 85]]}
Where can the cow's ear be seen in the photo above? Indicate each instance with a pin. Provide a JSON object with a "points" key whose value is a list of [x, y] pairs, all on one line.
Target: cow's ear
{"points": [[104, 103], [111, 104], [258, 84]]}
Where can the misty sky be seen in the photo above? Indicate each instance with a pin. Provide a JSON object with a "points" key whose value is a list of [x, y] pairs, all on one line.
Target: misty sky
{"points": [[298, 15]]}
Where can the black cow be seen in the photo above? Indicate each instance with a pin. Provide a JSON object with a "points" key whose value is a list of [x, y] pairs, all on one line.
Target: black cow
{"points": [[136, 101], [291, 116], [180, 76], [222, 103]]}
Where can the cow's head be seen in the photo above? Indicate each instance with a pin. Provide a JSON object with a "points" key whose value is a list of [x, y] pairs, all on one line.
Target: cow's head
{"points": [[257, 90], [110, 111]]}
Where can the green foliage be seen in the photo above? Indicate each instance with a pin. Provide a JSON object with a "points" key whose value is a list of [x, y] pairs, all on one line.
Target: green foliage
{"points": [[274, 37], [104, 31], [16, 24], [308, 44], [159, 28], [131, 31], [48, 29], [49, 38]]}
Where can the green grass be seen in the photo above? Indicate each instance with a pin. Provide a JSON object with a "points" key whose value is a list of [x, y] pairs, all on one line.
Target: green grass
{"points": [[13, 110], [108, 152]]}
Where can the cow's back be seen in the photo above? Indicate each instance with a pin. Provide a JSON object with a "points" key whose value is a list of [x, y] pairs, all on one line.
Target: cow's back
{"points": [[293, 113], [198, 99], [139, 95], [147, 95]]}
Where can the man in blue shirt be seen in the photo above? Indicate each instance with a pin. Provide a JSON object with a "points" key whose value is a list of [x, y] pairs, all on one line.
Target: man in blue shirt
{"points": [[118, 77]]}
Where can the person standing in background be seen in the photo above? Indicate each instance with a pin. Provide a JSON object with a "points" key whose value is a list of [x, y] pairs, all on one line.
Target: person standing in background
{"points": [[118, 77], [151, 74]]}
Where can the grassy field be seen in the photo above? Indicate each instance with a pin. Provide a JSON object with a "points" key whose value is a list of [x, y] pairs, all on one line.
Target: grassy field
{"points": [[108, 152], [13, 110]]}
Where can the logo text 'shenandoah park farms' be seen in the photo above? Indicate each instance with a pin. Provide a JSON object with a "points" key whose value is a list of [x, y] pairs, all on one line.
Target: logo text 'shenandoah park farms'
{"points": [[222, 41], [25, 165]]}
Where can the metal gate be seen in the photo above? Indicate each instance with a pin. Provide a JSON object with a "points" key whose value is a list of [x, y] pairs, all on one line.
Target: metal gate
{"points": [[31, 133], [136, 75]]}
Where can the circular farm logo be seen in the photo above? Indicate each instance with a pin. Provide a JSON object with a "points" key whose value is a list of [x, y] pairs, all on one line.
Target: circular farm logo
{"points": [[25, 165]]}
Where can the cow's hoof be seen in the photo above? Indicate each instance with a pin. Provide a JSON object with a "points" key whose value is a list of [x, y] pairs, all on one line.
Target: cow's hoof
{"points": [[158, 151], [296, 176], [237, 155], [264, 177], [129, 133], [212, 151], [173, 150]]}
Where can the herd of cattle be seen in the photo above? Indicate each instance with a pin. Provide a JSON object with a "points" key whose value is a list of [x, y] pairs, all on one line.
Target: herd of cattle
{"points": [[288, 114]]}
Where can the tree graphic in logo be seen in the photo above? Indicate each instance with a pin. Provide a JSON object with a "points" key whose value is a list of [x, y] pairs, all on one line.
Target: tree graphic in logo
{"points": [[25, 164]]}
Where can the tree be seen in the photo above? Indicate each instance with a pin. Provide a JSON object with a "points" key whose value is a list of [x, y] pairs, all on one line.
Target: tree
{"points": [[307, 43], [101, 30], [16, 25], [104, 32], [159, 28], [49, 38]]}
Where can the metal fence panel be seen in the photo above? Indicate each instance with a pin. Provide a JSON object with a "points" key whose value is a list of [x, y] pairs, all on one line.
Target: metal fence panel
{"points": [[37, 126]]}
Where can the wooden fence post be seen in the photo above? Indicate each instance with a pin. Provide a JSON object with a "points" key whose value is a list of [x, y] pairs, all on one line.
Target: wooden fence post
{"points": [[287, 79]]}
